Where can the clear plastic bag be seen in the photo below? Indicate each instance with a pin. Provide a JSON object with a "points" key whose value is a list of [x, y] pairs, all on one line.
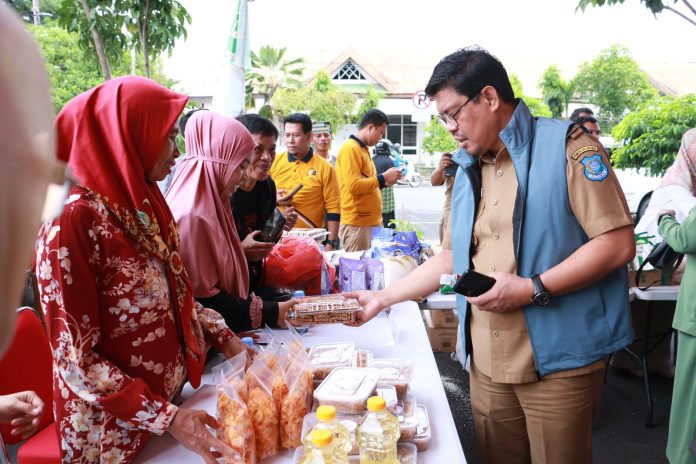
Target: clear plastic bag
{"points": [[236, 428], [297, 403], [262, 409]]}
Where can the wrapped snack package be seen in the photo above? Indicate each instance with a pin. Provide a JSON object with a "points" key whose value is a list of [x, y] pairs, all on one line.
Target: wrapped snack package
{"points": [[327, 309], [296, 404], [348, 388], [273, 357], [375, 274], [325, 357], [396, 267], [352, 275], [262, 409], [236, 429]]}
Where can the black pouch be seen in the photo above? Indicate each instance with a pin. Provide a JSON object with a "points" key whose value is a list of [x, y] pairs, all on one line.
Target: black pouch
{"points": [[661, 257]]}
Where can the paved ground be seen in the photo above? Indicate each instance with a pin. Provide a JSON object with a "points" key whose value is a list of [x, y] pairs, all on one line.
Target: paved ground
{"points": [[422, 206], [620, 436]]}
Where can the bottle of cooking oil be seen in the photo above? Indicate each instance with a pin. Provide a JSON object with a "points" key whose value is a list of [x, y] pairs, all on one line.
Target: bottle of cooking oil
{"points": [[322, 450], [326, 420], [378, 434]]}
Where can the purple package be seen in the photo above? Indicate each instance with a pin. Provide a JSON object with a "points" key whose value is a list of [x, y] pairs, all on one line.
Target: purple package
{"points": [[375, 274], [352, 275]]}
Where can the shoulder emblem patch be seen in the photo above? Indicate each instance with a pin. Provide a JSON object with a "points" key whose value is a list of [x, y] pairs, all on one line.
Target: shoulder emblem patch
{"points": [[595, 169], [582, 150]]}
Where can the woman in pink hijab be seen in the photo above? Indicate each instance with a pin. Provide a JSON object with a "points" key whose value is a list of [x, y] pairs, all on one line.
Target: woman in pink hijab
{"points": [[218, 150]]}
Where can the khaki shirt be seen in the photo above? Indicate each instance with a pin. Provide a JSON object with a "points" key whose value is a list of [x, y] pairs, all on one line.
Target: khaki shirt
{"points": [[501, 346]]}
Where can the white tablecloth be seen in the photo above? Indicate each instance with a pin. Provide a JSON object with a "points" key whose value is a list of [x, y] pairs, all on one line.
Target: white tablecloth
{"points": [[411, 343]]}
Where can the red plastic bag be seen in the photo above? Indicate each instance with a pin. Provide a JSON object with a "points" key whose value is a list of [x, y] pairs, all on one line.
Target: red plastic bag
{"points": [[298, 263]]}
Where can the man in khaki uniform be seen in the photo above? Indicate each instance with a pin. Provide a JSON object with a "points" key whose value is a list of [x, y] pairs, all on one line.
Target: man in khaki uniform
{"points": [[555, 233]]}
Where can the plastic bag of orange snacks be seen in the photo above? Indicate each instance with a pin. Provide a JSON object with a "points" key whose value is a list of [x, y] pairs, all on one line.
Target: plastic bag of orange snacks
{"points": [[236, 429], [262, 409]]}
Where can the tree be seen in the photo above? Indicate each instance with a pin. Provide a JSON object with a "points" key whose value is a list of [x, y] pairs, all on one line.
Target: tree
{"points": [[322, 102], [536, 106], [270, 71], [69, 71], [650, 136], [437, 139], [655, 6], [556, 91], [72, 71], [370, 101], [614, 83], [24, 8], [155, 25]]}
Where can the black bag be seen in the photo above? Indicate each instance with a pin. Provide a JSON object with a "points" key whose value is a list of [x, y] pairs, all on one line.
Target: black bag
{"points": [[661, 257]]}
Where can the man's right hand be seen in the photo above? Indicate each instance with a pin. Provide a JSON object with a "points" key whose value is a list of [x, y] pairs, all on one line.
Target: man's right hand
{"points": [[253, 250], [370, 302], [190, 428], [391, 175]]}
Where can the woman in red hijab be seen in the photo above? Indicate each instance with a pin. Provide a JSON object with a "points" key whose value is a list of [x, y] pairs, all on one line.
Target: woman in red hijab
{"points": [[125, 330], [218, 150]]}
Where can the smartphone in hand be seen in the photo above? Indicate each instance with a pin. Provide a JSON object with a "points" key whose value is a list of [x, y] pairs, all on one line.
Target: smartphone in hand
{"points": [[473, 283], [289, 196]]}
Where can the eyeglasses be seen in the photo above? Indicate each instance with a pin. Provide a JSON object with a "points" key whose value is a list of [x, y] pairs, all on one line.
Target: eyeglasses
{"points": [[450, 120]]}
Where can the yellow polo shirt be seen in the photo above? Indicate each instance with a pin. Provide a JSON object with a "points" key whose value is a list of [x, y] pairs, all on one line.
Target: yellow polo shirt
{"points": [[361, 200], [319, 198]]}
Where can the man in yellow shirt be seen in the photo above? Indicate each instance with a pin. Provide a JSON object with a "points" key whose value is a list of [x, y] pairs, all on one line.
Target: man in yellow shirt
{"points": [[361, 200], [319, 198]]}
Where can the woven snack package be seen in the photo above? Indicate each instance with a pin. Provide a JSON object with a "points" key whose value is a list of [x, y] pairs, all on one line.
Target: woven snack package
{"points": [[236, 429]]}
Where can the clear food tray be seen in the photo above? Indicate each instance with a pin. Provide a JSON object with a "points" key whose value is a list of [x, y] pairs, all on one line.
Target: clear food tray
{"points": [[407, 412], [325, 309], [397, 372], [406, 452], [347, 389], [325, 357], [423, 431]]}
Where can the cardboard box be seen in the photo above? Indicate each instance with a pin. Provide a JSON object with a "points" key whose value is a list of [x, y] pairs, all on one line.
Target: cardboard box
{"points": [[442, 340], [441, 318]]}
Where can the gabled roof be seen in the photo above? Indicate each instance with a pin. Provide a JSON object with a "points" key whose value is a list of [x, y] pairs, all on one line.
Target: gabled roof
{"points": [[367, 65]]}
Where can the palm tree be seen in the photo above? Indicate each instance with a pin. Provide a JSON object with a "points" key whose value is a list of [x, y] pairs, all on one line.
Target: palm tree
{"points": [[269, 72]]}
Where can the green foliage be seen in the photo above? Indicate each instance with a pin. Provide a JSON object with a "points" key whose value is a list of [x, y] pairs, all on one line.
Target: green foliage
{"points": [[369, 102], [536, 106], [69, 71], [322, 102], [270, 71], [556, 91], [437, 139], [650, 136], [72, 71], [24, 8], [614, 83], [655, 6], [403, 225]]}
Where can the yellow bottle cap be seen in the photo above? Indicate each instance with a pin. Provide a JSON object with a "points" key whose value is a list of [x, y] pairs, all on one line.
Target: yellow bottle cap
{"points": [[326, 413], [376, 403], [321, 437]]}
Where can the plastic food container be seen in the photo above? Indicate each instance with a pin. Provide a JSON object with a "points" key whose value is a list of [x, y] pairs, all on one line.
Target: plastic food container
{"points": [[424, 432], [325, 309], [406, 452], [363, 358], [407, 412], [397, 372], [388, 392], [347, 389], [349, 421], [325, 357], [317, 234]]}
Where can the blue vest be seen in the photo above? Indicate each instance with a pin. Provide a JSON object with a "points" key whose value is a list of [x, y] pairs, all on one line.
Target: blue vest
{"points": [[575, 329]]}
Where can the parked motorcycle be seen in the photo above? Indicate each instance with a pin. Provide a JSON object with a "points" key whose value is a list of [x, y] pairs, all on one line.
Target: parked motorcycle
{"points": [[410, 176]]}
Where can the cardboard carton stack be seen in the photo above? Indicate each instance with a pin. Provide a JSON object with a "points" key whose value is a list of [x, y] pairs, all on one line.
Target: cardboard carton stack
{"points": [[441, 326]]}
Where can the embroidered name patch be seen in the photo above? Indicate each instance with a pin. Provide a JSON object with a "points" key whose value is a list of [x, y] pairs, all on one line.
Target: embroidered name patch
{"points": [[582, 150], [595, 169], [312, 172]]}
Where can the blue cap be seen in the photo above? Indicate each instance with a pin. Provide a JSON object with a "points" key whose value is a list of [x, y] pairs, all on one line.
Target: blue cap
{"points": [[248, 340], [298, 294]]}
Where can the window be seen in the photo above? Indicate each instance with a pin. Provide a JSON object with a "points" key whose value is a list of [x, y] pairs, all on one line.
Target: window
{"points": [[349, 72], [404, 131]]}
